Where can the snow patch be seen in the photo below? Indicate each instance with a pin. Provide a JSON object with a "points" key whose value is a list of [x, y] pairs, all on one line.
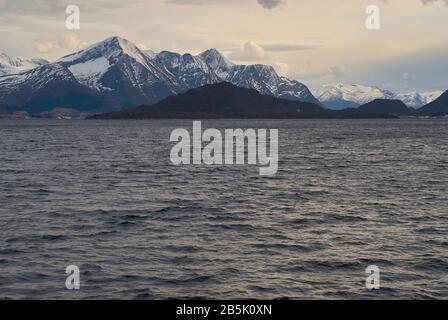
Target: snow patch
{"points": [[88, 73]]}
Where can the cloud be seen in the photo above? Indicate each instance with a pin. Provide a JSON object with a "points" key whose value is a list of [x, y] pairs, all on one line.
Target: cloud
{"points": [[58, 6], [270, 4], [426, 2], [69, 41], [267, 4], [199, 2], [281, 68], [250, 51], [286, 47], [45, 47], [409, 76]]}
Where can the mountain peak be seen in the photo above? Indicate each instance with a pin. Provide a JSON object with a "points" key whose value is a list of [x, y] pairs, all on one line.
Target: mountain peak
{"points": [[220, 64], [341, 95], [211, 52], [109, 48]]}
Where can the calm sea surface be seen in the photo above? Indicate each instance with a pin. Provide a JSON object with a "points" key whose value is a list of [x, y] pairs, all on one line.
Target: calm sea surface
{"points": [[103, 195]]}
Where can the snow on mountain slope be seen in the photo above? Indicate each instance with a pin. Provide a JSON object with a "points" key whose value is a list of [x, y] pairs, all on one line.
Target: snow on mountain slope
{"points": [[265, 80], [212, 67], [341, 96], [90, 71], [43, 88], [416, 100], [192, 71], [108, 48], [119, 66], [217, 62], [10, 65], [413, 99]]}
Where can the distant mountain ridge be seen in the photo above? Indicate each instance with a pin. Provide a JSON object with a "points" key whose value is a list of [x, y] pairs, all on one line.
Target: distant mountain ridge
{"points": [[341, 96], [114, 74], [9, 65]]}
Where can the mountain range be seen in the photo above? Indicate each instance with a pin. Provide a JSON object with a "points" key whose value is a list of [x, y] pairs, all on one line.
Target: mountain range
{"points": [[115, 74], [342, 96]]}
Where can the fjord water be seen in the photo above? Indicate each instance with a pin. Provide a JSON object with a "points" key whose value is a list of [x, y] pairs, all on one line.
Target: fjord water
{"points": [[103, 195]]}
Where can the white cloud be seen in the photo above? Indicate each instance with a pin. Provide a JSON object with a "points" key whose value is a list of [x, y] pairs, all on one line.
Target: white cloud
{"points": [[425, 2], [281, 68], [267, 4], [69, 41], [45, 47], [283, 47], [250, 51]]}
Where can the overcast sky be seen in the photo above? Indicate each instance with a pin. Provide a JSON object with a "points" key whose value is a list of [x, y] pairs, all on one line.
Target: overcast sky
{"points": [[314, 41]]}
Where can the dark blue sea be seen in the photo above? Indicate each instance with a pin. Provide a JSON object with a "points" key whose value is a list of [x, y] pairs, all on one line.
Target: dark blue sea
{"points": [[104, 196]]}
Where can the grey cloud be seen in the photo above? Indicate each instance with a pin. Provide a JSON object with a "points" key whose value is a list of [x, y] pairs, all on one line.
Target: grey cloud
{"points": [[199, 2], [58, 6], [270, 4], [267, 4], [426, 2]]}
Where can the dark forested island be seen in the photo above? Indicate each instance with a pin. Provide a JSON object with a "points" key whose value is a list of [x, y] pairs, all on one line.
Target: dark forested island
{"points": [[225, 100]]}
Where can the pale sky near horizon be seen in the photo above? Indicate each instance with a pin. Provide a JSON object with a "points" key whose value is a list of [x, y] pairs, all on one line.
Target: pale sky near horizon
{"points": [[314, 41]]}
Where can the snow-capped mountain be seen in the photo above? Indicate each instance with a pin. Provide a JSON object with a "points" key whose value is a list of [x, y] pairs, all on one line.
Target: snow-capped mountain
{"points": [[191, 71], [265, 80], [416, 100], [114, 74], [117, 66], [341, 96], [218, 63], [412, 99], [44, 88], [9, 65], [212, 67], [108, 75]]}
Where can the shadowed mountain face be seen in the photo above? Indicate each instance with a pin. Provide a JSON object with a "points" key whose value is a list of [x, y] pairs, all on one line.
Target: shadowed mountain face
{"points": [[386, 107], [438, 106], [115, 74], [225, 100]]}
